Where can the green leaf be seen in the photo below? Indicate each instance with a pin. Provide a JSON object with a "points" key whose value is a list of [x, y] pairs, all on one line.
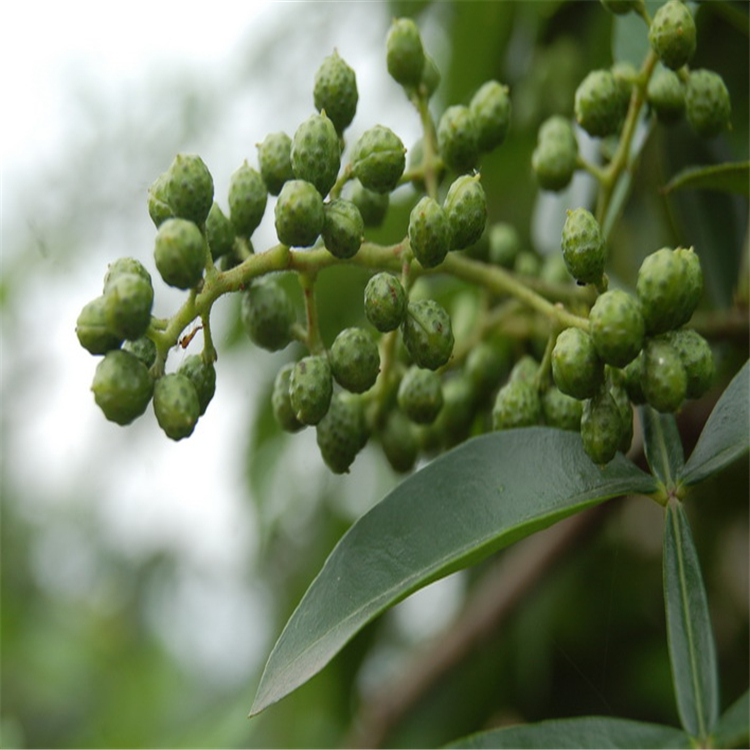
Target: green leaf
{"points": [[691, 643], [662, 444], [583, 732], [465, 505], [733, 727], [728, 178], [726, 435]]}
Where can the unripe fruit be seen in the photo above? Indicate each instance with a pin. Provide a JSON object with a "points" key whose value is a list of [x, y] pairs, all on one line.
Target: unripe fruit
{"points": [[707, 103], [427, 334], [267, 314], [554, 160], [620, 397], [123, 266], [219, 232], [453, 423], [180, 253], [378, 159], [487, 364], [372, 206], [247, 199], [202, 374], [526, 369], [405, 56], [583, 246], [527, 263], [342, 432], [122, 387], [576, 367], [429, 232], [458, 138], [127, 305], [335, 91], [663, 377], [616, 327], [633, 375], [601, 428], [281, 402], [561, 411], [672, 34], [385, 302], [299, 214], [355, 361], [399, 441], [176, 405], [343, 228], [697, 359], [490, 109], [466, 208], [430, 76], [158, 203], [316, 153], [311, 388], [275, 161], [666, 96], [504, 244], [598, 104], [190, 188], [517, 404], [625, 76], [420, 395], [92, 330], [143, 348]]}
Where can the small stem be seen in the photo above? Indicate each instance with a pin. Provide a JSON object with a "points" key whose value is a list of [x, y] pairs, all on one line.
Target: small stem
{"points": [[429, 146], [314, 341]]}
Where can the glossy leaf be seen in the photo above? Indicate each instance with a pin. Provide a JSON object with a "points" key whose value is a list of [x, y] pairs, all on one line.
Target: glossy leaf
{"points": [[728, 178], [733, 727], [662, 444], [691, 643], [726, 435], [465, 505], [583, 732]]}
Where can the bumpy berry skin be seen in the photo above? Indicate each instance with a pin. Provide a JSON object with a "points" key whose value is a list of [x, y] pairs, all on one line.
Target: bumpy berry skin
{"points": [[598, 105], [143, 348], [343, 228], [429, 232], [576, 367], [672, 34], [372, 206], [427, 334], [632, 380], [666, 96], [555, 157], [180, 253], [202, 374], [275, 161], [601, 428], [583, 246], [176, 405], [404, 55], [617, 327], [299, 214], [122, 387], [158, 202], [247, 199], [281, 403], [385, 302], [267, 314], [487, 364], [663, 376], [517, 404], [91, 328], [311, 388], [420, 395], [127, 305], [335, 91], [342, 432], [707, 103], [490, 109], [379, 159], [561, 411], [190, 188], [122, 266], [697, 359], [355, 361], [219, 232], [504, 244], [316, 153], [466, 208], [399, 441], [458, 138]]}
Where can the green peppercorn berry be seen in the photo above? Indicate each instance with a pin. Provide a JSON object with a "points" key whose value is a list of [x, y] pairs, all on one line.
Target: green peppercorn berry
{"points": [[92, 330], [176, 405], [598, 103], [632, 380], [672, 34], [458, 138], [420, 395], [453, 423], [378, 159], [487, 364], [275, 161], [385, 302], [143, 348], [490, 109], [466, 208], [666, 96], [601, 428], [427, 334], [517, 404], [555, 157], [316, 152], [617, 327], [707, 104], [335, 91], [190, 188], [202, 374], [247, 199], [404, 52], [180, 253], [219, 232], [504, 244], [123, 266], [429, 232], [663, 377], [299, 214], [127, 305], [620, 397], [343, 228], [158, 203], [355, 361], [281, 402], [625, 75], [576, 367], [399, 441], [372, 206], [311, 388], [267, 314], [583, 246], [697, 359], [342, 432], [561, 411], [694, 281], [122, 386]]}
